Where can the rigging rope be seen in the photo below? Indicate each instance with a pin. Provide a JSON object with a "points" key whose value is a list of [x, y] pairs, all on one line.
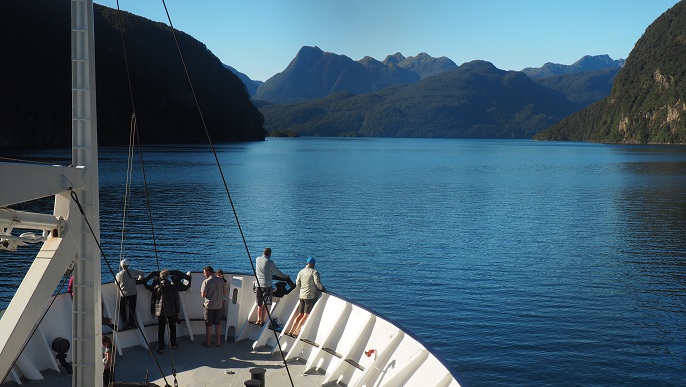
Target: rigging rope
{"points": [[134, 135], [109, 267], [64, 280], [221, 173], [133, 138]]}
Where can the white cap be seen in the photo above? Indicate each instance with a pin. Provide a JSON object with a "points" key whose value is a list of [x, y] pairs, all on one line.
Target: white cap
{"points": [[124, 263]]}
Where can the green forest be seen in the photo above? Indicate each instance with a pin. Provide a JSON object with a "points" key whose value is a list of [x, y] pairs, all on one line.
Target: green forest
{"points": [[647, 103]]}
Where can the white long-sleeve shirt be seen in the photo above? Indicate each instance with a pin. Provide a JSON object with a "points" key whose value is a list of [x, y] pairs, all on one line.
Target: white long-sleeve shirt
{"points": [[127, 280]]}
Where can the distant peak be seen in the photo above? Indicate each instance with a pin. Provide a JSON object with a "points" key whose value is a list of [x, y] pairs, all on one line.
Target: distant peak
{"points": [[394, 59], [594, 59], [475, 64], [310, 49], [369, 60], [586, 63], [309, 52]]}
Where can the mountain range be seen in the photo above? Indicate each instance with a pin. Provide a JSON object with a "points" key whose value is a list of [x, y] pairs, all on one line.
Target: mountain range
{"points": [[473, 100], [314, 73], [586, 63]]}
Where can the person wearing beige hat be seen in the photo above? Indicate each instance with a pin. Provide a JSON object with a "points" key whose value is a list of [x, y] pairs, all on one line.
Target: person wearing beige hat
{"points": [[126, 279]]}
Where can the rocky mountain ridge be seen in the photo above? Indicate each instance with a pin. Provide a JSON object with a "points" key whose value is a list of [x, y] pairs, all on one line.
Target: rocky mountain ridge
{"points": [[314, 74], [585, 64]]}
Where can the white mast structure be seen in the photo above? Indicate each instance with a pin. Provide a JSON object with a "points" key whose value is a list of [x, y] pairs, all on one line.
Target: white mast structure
{"points": [[68, 242]]}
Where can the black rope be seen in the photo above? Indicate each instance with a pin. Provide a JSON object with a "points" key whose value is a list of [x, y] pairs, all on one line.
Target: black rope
{"points": [[147, 200], [35, 328], [169, 323], [221, 173], [11, 159], [126, 58], [133, 138], [171, 350], [109, 266]]}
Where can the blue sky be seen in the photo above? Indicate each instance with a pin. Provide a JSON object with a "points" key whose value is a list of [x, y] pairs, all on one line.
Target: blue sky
{"points": [[261, 37]]}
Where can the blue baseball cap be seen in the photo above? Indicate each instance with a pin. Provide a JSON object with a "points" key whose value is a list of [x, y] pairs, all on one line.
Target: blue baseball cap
{"points": [[311, 260]]}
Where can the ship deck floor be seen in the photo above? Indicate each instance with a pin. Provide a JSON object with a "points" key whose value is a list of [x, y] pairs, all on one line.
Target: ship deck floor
{"points": [[197, 365]]}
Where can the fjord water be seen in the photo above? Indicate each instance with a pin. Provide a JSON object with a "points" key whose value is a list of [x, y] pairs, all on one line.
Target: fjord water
{"points": [[521, 263]]}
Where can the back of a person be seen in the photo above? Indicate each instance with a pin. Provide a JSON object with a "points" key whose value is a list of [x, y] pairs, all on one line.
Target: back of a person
{"points": [[261, 269], [127, 280], [168, 299], [308, 286], [214, 287], [264, 270]]}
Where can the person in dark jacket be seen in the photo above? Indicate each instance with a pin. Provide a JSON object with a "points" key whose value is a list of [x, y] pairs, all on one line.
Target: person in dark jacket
{"points": [[166, 300]]}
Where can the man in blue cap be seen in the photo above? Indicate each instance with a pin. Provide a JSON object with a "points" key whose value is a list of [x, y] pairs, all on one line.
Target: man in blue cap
{"points": [[308, 281]]}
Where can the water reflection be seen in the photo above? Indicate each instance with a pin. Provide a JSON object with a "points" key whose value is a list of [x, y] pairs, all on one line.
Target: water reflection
{"points": [[524, 262]]}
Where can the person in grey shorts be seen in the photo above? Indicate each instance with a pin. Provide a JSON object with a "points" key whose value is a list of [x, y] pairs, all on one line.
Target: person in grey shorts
{"points": [[265, 268], [212, 291], [309, 283]]}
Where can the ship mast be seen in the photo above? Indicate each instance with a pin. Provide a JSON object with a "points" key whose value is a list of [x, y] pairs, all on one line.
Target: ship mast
{"points": [[87, 308], [69, 236]]}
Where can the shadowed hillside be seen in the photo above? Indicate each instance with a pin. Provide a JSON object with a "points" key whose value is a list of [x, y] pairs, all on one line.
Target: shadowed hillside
{"points": [[35, 101]]}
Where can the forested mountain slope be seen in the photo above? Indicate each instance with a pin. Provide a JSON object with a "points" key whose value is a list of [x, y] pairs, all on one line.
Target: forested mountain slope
{"points": [[35, 98], [647, 103], [476, 100]]}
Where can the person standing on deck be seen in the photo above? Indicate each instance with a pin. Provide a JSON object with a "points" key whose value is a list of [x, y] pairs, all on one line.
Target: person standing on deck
{"points": [[220, 274], [265, 268], [309, 282], [107, 362], [166, 301], [126, 278], [212, 291]]}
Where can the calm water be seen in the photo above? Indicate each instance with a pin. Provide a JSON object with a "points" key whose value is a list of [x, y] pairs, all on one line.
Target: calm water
{"points": [[521, 263]]}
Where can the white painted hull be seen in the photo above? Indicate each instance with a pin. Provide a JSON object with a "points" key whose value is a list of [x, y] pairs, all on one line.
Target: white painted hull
{"points": [[332, 342]]}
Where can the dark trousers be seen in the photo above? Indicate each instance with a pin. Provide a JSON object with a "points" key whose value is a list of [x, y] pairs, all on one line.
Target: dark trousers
{"points": [[161, 323], [107, 376], [124, 304]]}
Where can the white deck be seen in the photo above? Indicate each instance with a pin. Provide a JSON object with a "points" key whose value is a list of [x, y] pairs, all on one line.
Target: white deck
{"points": [[196, 365], [329, 351]]}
